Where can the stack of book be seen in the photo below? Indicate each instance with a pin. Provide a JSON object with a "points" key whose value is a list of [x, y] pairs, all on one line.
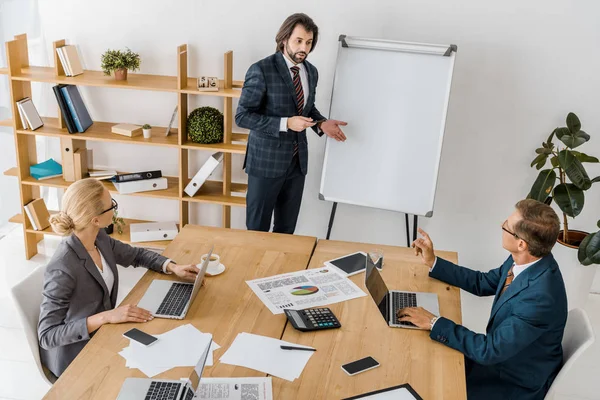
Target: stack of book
{"points": [[30, 119], [72, 108], [70, 60], [139, 182], [38, 214], [46, 170]]}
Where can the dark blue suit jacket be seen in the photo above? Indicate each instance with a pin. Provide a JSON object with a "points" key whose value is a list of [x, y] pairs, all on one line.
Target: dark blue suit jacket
{"points": [[521, 352], [268, 95]]}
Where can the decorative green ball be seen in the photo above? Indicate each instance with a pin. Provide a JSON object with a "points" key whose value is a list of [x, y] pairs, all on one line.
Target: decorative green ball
{"points": [[205, 125]]}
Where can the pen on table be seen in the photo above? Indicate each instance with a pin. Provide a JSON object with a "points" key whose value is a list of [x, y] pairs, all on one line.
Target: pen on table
{"points": [[297, 348]]}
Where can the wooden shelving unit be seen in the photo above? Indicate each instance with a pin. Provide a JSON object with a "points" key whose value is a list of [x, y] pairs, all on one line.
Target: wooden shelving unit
{"points": [[224, 193]]}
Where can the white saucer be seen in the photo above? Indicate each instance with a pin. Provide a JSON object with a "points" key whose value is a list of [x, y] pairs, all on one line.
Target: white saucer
{"points": [[213, 271]]}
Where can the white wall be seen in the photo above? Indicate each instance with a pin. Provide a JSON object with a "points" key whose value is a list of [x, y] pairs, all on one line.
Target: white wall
{"points": [[520, 68]]}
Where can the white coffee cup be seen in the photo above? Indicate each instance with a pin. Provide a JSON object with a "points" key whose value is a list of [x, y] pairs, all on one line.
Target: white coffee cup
{"points": [[214, 262]]}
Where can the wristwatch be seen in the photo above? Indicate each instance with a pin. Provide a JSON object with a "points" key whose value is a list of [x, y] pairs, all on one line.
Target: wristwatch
{"points": [[432, 322]]}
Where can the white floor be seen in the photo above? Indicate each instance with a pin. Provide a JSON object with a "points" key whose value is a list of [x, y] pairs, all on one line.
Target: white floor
{"points": [[19, 377]]}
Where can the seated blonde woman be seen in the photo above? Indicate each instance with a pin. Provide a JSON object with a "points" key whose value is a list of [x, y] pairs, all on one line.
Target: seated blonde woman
{"points": [[82, 279]]}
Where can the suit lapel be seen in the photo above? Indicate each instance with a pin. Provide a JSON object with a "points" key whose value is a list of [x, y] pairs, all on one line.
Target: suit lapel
{"points": [[89, 265], [286, 75], [311, 84], [104, 247]]}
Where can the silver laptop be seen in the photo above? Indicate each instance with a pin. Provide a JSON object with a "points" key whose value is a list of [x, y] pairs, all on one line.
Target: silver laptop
{"points": [[169, 299], [390, 301], [164, 389]]}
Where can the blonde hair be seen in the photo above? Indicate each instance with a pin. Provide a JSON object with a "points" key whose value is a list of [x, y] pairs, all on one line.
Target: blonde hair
{"points": [[81, 202]]}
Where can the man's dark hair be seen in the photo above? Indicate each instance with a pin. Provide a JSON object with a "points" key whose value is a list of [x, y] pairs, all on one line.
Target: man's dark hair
{"points": [[539, 227], [288, 27]]}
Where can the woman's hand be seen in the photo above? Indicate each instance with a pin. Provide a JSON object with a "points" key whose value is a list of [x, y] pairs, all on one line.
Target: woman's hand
{"points": [[128, 313], [187, 272]]}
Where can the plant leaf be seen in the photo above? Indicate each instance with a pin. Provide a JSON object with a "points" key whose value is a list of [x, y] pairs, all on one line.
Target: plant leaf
{"points": [[583, 135], [569, 198], [598, 223], [542, 187], [560, 132], [574, 169], [572, 141], [549, 141], [540, 151], [589, 249], [596, 179], [584, 157], [573, 123], [554, 161], [538, 159]]}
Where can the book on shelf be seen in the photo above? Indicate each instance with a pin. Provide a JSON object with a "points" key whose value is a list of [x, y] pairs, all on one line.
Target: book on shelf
{"points": [[101, 174], [76, 106], [128, 130], [202, 175], [29, 114], [64, 110], [46, 170], [38, 214], [69, 58], [138, 176], [145, 185]]}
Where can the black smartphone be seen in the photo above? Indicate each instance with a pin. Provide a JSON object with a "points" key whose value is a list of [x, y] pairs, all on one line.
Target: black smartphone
{"points": [[140, 337], [362, 365]]}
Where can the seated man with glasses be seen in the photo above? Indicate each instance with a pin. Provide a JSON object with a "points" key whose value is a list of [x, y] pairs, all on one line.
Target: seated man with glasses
{"points": [[520, 354], [82, 279]]}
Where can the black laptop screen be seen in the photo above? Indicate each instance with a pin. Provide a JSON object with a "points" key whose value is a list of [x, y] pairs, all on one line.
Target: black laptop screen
{"points": [[377, 289]]}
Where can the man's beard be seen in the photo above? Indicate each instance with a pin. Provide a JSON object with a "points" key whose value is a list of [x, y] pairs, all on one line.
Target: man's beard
{"points": [[294, 56]]}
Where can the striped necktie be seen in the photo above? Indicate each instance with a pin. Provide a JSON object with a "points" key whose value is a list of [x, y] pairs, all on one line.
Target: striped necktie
{"points": [[509, 279], [299, 96]]}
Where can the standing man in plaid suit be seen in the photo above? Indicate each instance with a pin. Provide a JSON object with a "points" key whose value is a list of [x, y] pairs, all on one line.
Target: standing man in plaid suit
{"points": [[277, 105]]}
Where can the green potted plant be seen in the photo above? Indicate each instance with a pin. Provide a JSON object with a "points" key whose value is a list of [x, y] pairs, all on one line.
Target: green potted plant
{"points": [[117, 222], [147, 130], [565, 183], [120, 61], [205, 125]]}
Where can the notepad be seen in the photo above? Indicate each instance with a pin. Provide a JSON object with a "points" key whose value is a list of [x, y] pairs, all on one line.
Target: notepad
{"points": [[47, 169]]}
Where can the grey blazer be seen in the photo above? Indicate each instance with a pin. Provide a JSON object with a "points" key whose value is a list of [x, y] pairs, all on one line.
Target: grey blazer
{"points": [[74, 290]]}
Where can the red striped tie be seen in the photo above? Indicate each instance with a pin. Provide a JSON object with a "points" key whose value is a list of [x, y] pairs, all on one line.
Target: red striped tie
{"points": [[299, 96]]}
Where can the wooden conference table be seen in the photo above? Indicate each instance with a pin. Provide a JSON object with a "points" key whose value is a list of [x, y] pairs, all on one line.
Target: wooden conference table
{"points": [[226, 306]]}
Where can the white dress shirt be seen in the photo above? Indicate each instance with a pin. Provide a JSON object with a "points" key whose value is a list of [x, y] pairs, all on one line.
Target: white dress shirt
{"points": [[303, 80], [106, 273]]}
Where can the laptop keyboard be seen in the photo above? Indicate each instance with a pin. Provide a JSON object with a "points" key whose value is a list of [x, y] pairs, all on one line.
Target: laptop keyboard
{"points": [[176, 299], [400, 301], [162, 391]]}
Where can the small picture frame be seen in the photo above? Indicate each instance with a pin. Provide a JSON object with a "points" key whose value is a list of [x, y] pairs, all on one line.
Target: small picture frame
{"points": [[208, 84], [171, 122]]}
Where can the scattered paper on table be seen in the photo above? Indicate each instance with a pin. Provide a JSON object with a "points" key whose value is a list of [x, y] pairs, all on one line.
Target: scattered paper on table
{"points": [[263, 353], [235, 389], [180, 347], [304, 289]]}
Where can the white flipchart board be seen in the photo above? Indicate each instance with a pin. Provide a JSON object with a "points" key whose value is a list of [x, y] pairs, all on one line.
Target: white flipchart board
{"points": [[394, 96]]}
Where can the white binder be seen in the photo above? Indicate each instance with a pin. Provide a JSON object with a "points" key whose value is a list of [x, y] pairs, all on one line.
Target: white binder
{"points": [[153, 231], [201, 176], [144, 185]]}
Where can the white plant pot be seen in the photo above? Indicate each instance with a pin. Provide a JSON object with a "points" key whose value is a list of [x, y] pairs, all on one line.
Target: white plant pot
{"points": [[578, 278], [147, 133]]}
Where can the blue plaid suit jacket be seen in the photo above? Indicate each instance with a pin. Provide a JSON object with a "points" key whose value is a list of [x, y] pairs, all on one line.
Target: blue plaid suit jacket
{"points": [[268, 95]]}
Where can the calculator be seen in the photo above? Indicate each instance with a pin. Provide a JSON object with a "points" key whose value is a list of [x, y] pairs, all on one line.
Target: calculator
{"points": [[312, 319]]}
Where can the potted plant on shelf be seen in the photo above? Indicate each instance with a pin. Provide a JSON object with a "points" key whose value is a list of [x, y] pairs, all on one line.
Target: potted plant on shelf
{"points": [[117, 222], [569, 195], [147, 130], [120, 61], [205, 125]]}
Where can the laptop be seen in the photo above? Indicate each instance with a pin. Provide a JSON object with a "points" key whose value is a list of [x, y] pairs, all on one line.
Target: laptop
{"points": [[164, 389], [168, 299], [390, 301]]}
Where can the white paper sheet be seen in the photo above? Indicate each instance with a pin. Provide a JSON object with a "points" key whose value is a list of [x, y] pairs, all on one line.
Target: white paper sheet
{"points": [[304, 289], [235, 389], [264, 354], [180, 347]]}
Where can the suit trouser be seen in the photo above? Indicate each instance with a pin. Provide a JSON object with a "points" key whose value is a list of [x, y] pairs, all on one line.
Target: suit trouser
{"points": [[281, 195]]}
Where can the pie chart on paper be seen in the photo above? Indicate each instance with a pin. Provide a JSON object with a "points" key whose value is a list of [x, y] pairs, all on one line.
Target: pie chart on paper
{"points": [[304, 290]]}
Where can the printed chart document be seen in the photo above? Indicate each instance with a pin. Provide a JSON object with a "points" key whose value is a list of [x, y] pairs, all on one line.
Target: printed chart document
{"points": [[264, 354], [235, 389], [304, 289]]}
